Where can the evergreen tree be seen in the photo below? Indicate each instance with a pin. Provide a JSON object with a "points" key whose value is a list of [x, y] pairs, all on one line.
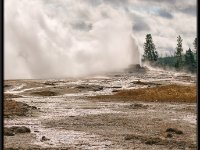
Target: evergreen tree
{"points": [[189, 57], [150, 52], [178, 53], [195, 44], [195, 47], [190, 61]]}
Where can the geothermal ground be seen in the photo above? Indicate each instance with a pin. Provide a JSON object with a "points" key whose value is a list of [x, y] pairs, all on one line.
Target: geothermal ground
{"points": [[145, 110]]}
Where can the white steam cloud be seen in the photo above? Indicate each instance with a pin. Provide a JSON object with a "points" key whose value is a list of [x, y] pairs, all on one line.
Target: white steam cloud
{"points": [[65, 38]]}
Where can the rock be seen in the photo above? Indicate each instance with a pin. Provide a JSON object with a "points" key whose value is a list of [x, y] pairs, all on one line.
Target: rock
{"points": [[116, 87], [145, 83], [33, 107], [90, 87], [18, 129], [15, 130], [117, 75], [6, 85], [22, 129], [71, 116], [133, 137], [152, 141], [45, 93], [136, 68], [169, 135], [8, 132], [44, 139], [115, 91], [174, 130], [140, 82], [137, 106]]}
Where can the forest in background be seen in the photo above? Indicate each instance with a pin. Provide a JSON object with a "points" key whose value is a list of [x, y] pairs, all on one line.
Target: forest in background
{"points": [[180, 61]]}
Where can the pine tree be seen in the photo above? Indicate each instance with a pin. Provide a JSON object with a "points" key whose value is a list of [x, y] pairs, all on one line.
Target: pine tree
{"points": [[189, 57], [195, 47], [195, 44], [150, 52], [189, 60], [178, 53]]}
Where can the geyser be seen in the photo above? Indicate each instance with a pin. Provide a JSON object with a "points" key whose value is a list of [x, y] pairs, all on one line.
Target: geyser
{"points": [[66, 38]]}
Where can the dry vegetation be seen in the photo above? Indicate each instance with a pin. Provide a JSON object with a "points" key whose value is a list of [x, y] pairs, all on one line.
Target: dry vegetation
{"points": [[14, 108], [165, 93]]}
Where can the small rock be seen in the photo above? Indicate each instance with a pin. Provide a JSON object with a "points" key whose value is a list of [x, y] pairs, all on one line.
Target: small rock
{"points": [[90, 87], [33, 107], [45, 93], [22, 129], [44, 139], [16, 129], [116, 87], [174, 130], [8, 132], [137, 106], [152, 141], [133, 137], [169, 135], [71, 116], [115, 91]]}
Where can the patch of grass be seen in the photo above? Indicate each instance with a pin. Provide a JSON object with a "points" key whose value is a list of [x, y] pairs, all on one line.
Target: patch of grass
{"points": [[165, 93]]}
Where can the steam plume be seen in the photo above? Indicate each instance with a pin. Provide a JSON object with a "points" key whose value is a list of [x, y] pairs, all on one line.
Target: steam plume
{"points": [[65, 38]]}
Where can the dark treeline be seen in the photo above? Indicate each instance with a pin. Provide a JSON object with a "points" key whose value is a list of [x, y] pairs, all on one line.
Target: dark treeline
{"points": [[180, 61]]}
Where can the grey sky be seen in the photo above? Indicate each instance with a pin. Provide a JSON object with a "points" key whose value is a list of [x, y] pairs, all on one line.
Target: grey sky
{"points": [[162, 18]]}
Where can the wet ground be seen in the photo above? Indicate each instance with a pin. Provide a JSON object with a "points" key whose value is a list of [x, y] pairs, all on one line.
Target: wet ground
{"points": [[66, 119]]}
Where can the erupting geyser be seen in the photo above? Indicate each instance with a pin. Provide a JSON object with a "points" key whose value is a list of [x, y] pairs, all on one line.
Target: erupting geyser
{"points": [[66, 38]]}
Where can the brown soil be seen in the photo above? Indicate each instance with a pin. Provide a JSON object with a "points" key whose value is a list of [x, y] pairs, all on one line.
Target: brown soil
{"points": [[165, 93]]}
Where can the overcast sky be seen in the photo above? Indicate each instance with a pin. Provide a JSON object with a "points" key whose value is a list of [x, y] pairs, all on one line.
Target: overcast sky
{"points": [[44, 37], [164, 19]]}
